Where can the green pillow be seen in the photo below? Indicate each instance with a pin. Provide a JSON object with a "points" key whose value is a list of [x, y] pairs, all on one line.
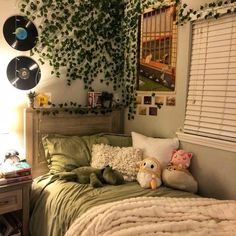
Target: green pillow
{"points": [[64, 153], [119, 140]]}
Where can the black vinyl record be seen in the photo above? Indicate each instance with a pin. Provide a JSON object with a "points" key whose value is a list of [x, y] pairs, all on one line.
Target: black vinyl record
{"points": [[20, 33], [23, 73]]}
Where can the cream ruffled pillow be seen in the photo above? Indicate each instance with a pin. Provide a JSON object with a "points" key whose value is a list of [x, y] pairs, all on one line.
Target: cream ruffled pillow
{"points": [[122, 159]]}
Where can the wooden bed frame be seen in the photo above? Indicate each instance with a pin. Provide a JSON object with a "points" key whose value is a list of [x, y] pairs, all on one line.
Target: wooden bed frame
{"points": [[37, 124]]}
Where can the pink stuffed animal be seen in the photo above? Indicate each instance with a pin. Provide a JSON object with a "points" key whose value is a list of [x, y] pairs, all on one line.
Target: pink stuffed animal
{"points": [[181, 159]]}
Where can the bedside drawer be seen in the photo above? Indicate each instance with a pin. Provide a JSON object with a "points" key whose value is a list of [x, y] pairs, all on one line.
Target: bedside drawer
{"points": [[10, 201]]}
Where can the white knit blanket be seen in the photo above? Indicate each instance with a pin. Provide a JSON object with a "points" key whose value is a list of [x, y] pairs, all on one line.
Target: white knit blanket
{"points": [[158, 216]]}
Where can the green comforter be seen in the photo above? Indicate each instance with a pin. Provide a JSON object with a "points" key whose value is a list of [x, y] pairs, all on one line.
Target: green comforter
{"points": [[55, 203]]}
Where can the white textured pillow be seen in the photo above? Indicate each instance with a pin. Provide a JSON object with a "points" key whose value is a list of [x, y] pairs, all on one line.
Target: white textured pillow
{"points": [[160, 148], [122, 159]]}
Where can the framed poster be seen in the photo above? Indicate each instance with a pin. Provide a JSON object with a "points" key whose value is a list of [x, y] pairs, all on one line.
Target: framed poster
{"points": [[157, 49]]}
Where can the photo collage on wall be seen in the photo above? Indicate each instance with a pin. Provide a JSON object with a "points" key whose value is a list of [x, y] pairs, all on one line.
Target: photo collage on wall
{"points": [[149, 105]]}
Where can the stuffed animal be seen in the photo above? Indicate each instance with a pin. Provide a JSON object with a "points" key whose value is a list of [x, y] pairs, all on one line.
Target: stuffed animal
{"points": [[12, 156], [176, 175], [149, 174], [179, 179], [93, 176], [181, 159]]}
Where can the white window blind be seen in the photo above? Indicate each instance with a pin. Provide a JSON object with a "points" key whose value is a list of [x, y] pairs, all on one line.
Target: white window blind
{"points": [[211, 101]]}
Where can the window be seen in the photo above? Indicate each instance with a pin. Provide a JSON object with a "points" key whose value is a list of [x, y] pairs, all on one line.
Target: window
{"points": [[158, 40], [211, 101]]}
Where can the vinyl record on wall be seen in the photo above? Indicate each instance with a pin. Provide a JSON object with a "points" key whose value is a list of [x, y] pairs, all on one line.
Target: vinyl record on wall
{"points": [[23, 72], [20, 33]]}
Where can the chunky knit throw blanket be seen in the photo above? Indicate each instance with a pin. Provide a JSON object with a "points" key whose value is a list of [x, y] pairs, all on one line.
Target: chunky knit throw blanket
{"points": [[158, 216]]}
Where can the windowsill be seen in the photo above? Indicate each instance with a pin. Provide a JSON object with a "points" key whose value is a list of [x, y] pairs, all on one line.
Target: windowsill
{"points": [[208, 142]]}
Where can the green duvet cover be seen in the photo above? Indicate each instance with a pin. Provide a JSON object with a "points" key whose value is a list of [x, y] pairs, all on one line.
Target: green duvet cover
{"points": [[55, 203]]}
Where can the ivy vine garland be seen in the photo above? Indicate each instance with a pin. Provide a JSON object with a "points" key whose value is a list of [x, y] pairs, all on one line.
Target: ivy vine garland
{"points": [[212, 9], [89, 38], [72, 108], [82, 37]]}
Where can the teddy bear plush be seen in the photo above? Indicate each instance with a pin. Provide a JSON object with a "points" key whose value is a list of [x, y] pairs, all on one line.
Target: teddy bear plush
{"points": [[149, 174], [93, 176], [177, 175]]}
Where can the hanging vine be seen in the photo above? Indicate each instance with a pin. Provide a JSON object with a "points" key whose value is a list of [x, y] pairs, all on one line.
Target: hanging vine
{"points": [[81, 37], [99, 37], [133, 9], [213, 9], [90, 37]]}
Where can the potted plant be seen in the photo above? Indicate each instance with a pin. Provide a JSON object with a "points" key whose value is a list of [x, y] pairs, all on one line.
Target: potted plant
{"points": [[31, 98]]}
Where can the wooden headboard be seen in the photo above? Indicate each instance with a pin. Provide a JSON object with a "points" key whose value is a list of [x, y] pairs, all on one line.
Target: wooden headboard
{"points": [[37, 124]]}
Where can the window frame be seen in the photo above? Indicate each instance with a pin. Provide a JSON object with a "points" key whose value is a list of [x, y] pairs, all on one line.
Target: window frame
{"points": [[214, 142]]}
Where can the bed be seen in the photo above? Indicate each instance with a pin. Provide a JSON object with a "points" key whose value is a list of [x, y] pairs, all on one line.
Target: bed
{"points": [[66, 207]]}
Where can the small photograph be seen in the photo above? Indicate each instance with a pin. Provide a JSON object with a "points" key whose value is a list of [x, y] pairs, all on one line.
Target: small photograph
{"points": [[159, 100], [138, 100], [94, 99], [98, 100], [170, 101], [142, 110], [90, 99], [43, 100], [147, 100], [153, 111]]}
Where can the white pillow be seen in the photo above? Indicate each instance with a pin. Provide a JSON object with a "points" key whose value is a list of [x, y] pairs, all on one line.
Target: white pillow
{"points": [[122, 159], [160, 148]]}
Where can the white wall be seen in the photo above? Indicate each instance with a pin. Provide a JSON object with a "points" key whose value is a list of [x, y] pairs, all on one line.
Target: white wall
{"points": [[213, 168], [170, 118], [13, 101]]}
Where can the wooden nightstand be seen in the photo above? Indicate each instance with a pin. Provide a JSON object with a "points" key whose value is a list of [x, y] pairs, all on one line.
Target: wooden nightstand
{"points": [[16, 197]]}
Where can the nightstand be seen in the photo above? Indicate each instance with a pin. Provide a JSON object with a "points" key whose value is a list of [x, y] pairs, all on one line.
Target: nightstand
{"points": [[16, 197]]}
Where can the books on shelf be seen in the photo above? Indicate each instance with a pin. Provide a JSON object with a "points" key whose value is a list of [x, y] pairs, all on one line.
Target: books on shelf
{"points": [[15, 179]]}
